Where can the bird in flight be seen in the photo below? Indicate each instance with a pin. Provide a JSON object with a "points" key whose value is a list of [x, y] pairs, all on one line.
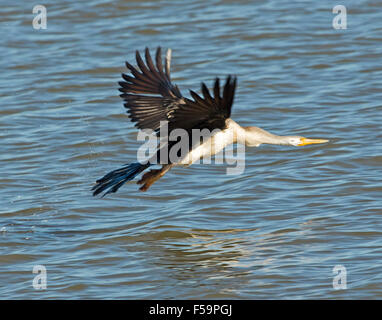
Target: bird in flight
{"points": [[151, 100]]}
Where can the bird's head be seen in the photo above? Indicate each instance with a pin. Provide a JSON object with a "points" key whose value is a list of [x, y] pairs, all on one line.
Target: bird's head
{"points": [[255, 136], [302, 141]]}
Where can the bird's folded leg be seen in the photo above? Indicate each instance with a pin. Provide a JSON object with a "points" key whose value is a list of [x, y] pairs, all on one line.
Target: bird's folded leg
{"points": [[148, 175], [153, 175]]}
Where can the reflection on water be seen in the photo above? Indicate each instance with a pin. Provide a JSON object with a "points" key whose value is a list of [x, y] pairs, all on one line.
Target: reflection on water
{"points": [[276, 231]]}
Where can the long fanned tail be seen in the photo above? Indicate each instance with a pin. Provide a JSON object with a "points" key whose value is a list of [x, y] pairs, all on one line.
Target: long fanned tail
{"points": [[115, 179]]}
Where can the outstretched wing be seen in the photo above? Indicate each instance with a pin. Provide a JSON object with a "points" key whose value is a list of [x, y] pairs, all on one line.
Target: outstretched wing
{"points": [[207, 112], [150, 98], [149, 95]]}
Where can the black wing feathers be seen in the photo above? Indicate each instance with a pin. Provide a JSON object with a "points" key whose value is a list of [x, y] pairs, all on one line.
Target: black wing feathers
{"points": [[207, 111], [150, 97], [150, 79], [148, 92]]}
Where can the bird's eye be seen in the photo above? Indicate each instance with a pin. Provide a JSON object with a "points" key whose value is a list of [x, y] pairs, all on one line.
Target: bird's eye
{"points": [[295, 141]]}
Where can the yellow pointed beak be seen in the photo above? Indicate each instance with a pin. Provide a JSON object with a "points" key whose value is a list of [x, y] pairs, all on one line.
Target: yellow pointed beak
{"points": [[306, 141]]}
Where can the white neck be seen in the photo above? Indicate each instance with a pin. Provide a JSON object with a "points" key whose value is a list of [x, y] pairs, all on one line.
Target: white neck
{"points": [[257, 136], [254, 136]]}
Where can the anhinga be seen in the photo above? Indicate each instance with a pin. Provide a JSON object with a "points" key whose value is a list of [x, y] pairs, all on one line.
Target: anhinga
{"points": [[152, 99]]}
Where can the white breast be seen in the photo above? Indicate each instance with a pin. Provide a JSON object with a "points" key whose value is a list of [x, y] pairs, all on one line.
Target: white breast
{"points": [[213, 145]]}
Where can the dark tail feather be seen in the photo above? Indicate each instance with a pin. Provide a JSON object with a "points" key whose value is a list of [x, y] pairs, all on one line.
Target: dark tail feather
{"points": [[115, 179]]}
